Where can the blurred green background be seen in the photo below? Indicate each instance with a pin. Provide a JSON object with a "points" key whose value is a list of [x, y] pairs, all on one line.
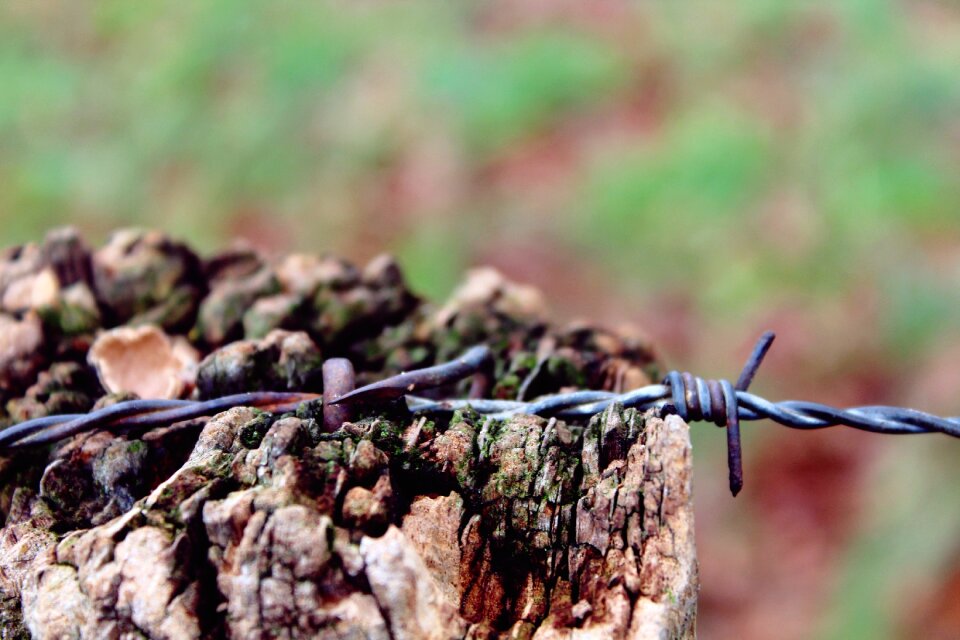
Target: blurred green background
{"points": [[702, 170]]}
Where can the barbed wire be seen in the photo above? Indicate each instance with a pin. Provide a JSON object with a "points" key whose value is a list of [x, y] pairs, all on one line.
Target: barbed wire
{"points": [[795, 414], [693, 398]]}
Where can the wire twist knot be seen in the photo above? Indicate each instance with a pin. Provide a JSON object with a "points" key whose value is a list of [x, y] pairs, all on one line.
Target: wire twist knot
{"points": [[716, 401], [698, 399]]}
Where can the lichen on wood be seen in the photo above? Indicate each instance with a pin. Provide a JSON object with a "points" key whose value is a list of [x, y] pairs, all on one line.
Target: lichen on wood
{"points": [[256, 525]]}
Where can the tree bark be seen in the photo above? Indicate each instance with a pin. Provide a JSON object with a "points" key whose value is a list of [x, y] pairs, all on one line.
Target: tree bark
{"points": [[252, 525], [523, 529]]}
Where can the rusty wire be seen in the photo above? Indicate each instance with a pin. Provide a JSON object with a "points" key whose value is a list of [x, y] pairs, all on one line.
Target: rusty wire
{"points": [[692, 398]]}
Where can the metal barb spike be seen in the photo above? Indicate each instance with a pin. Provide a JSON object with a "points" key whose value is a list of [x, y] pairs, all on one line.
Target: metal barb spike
{"points": [[475, 360], [734, 453]]}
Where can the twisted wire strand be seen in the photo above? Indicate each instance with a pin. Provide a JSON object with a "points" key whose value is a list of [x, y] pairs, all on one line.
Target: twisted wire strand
{"points": [[795, 414], [140, 414], [40, 429], [693, 398], [698, 399], [576, 405]]}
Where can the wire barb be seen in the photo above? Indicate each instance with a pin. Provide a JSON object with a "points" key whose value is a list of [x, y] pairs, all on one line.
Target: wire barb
{"points": [[698, 400], [474, 361]]}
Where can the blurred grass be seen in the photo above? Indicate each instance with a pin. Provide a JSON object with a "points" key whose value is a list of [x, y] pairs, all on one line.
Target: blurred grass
{"points": [[744, 159]]}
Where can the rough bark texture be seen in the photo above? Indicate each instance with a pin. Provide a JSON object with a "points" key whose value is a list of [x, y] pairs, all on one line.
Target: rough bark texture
{"points": [[252, 525]]}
